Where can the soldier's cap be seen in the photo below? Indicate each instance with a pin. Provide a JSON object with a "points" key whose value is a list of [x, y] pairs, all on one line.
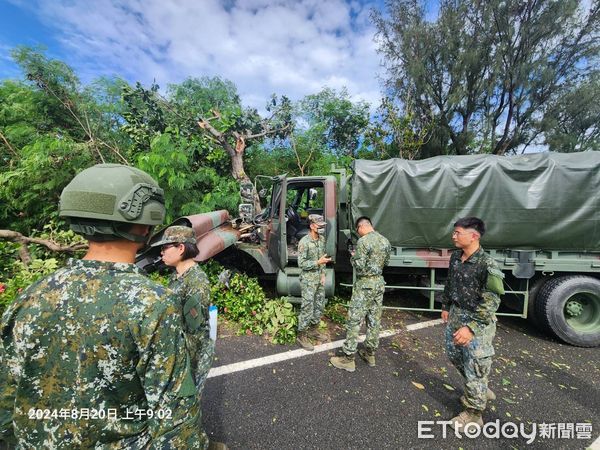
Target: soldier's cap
{"points": [[177, 234], [317, 219]]}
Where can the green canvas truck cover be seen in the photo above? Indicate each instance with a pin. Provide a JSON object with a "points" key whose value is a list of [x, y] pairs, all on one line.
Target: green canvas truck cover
{"points": [[532, 201]]}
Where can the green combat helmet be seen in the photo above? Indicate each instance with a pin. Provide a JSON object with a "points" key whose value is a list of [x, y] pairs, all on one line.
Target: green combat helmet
{"points": [[177, 234], [103, 201]]}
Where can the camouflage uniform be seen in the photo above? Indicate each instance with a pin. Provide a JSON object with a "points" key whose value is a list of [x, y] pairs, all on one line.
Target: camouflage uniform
{"points": [[192, 290], [100, 336], [372, 255], [471, 303], [311, 281]]}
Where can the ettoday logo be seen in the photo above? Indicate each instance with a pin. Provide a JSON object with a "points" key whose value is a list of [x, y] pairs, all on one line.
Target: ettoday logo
{"points": [[507, 430]]}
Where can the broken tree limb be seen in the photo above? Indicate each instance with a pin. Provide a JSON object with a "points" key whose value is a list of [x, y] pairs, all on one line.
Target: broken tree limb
{"points": [[14, 236]]}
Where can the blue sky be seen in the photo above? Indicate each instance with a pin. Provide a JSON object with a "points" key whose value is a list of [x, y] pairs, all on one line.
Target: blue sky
{"points": [[291, 47]]}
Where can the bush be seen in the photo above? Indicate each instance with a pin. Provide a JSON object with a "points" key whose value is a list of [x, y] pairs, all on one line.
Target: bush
{"points": [[279, 320], [22, 276], [336, 310], [242, 300], [16, 276]]}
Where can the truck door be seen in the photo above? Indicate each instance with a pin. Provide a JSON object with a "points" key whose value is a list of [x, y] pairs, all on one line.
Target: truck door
{"points": [[278, 236], [331, 216]]}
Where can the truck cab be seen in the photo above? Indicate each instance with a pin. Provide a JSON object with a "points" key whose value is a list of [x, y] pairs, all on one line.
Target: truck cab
{"points": [[284, 222]]}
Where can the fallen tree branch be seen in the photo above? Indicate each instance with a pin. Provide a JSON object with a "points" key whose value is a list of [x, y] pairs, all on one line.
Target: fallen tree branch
{"points": [[14, 236]]}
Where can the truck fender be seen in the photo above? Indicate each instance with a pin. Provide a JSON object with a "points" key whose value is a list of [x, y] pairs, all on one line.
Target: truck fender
{"points": [[214, 232]]}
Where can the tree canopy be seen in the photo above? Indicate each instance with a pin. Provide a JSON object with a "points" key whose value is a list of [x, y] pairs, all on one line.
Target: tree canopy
{"points": [[494, 76], [193, 137]]}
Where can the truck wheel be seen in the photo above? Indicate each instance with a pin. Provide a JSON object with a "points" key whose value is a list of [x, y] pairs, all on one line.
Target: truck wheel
{"points": [[534, 291], [570, 307]]}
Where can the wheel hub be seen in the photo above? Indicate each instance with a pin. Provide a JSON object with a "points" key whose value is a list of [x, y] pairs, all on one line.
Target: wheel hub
{"points": [[574, 308]]}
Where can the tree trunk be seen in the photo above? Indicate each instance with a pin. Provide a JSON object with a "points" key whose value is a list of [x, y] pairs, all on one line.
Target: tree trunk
{"points": [[238, 172]]}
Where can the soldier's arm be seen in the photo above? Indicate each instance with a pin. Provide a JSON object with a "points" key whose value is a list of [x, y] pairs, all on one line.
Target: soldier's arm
{"points": [[165, 372], [359, 260], [485, 312], [447, 287], [305, 261], [388, 252], [196, 298]]}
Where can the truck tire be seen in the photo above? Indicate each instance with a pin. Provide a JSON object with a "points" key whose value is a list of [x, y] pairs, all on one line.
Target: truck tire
{"points": [[569, 307], [532, 314]]}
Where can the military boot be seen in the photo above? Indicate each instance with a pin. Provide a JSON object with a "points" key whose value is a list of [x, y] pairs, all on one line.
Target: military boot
{"points": [[466, 417], [315, 333], [213, 445], [345, 362], [368, 355], [304, 341]]}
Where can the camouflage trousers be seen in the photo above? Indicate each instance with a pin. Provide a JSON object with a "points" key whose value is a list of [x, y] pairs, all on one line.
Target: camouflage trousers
{"points": [[313, 300], [474, 361], [367, 297]]}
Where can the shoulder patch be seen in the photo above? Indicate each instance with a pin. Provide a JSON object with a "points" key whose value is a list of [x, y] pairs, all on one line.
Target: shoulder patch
{"points": [[495, 280]]}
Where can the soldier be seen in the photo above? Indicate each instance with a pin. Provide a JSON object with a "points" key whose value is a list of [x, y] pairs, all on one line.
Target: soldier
{"points": [[312, 259], [469, 303], [91, 356], [371, 256], [192, 290]]}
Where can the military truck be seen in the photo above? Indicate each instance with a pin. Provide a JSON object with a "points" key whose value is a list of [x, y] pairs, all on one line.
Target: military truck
{"points": [[542, 212]]}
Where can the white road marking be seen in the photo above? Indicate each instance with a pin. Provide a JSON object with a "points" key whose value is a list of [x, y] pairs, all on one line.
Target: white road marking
{"points": [[284, 356], [595, 445], [420, 325]]}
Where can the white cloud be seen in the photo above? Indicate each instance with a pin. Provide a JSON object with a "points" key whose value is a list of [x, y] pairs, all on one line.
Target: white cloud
{"points": [[291, 47]]}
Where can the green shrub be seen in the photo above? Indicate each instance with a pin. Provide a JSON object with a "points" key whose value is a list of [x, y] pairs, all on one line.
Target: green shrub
{"points": [[241, 301], [16, 276], [279, 320], [22, 276], [159, 278], [336, 310]]}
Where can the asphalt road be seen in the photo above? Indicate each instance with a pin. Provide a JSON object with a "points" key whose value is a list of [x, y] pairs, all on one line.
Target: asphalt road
{"points": [[304, 403]]}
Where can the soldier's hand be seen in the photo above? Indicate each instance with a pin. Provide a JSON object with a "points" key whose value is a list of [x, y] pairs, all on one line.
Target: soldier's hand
{"points": [[324, 260], [445, 316], [463, 336]]}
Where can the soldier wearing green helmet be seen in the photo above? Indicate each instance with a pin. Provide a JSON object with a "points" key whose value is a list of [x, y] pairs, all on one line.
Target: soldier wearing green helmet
{"points": [[95, 349], [103, 201]]}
